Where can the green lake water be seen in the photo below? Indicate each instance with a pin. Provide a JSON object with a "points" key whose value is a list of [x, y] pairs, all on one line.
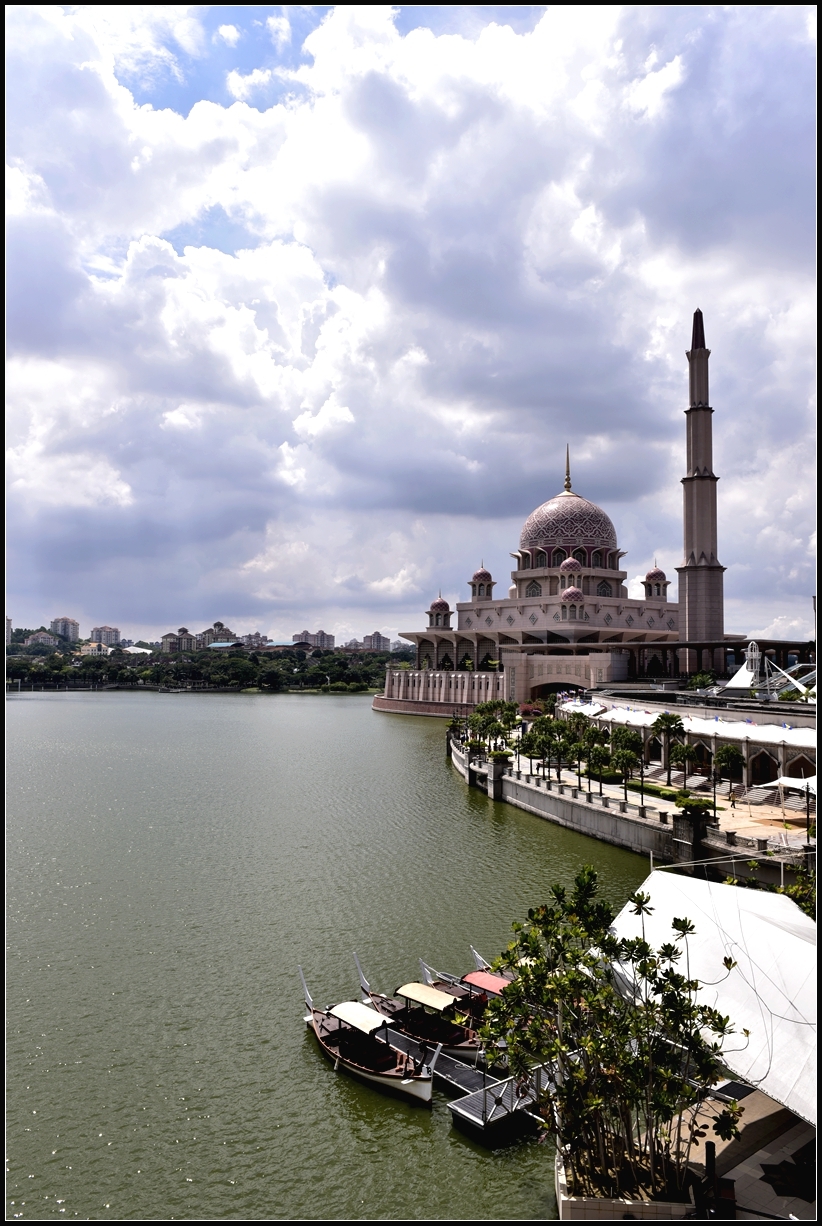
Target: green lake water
{"points": [[171, 858]]}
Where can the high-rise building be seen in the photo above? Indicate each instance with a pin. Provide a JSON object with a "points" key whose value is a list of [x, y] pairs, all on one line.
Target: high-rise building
{"points": [[376, 642], [109, 636], [8, 631], [68, 628], [322, 640]]}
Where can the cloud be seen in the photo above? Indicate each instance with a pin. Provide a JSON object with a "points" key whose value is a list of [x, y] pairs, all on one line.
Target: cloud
{"points": [[377, 305], [279, 29], [242, 87], [230, 35]]}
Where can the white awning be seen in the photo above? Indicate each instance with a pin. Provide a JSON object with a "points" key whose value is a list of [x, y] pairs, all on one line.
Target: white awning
{"points": [[771, 991], [725, 729], [799, 785], [423, 994], [359, 1016]]}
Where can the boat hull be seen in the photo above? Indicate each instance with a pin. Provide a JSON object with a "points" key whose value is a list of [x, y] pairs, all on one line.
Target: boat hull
{"points": [[418, 1088]]}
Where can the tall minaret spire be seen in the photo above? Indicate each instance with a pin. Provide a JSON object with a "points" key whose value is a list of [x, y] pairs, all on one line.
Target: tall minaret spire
{"points": [[567, 469], [701, 598]]}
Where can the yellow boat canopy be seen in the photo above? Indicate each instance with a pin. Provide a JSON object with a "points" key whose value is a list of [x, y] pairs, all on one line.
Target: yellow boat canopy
{"points": [[423, 994], [359, 1016]]}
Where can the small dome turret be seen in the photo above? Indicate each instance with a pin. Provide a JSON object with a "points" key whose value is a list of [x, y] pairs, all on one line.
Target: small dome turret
{"points": [[655, 573], [439, 614], [655, 583], [572, 594], [481, 584], [569, 566]]}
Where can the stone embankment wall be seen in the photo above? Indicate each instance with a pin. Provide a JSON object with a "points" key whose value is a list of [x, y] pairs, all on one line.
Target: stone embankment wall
{"points": [[666, 834], [638, 829]]}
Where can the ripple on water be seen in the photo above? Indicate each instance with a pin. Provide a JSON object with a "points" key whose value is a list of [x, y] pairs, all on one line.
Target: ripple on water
{"points": [[170, 861]]}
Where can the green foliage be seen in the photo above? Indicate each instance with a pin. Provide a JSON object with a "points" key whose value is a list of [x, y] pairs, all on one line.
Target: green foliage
{"points": [[626, 739], [632, 1058], [693, 806], [701, 681], [728, 760], [682, 755]]}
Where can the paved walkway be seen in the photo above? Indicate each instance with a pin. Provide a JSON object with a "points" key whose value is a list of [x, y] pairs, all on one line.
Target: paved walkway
{"points": [[754, 821]]}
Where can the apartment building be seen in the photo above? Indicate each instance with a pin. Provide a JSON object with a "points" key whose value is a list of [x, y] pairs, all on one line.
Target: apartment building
{"points": [[322, 640], [67, 628], [109, 636]]}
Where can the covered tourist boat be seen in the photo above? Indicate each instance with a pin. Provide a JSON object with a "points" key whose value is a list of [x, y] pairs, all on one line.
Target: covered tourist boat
{"points": [[427, 1015], [471, 992], [356, 1039]]}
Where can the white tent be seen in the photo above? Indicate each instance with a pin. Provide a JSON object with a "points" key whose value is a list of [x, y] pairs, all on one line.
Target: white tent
{"points": [[796, 785], [771, 991]]}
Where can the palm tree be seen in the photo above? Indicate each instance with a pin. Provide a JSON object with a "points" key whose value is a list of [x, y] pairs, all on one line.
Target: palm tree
{"points": [[668, 725], [598, 759], [681, 755], [728, 760], [625, 762]]}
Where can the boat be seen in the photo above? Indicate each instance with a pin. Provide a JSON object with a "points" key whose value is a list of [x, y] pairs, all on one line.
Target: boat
{"points": [[471, 992], [356, 1038], [425, 1014]]}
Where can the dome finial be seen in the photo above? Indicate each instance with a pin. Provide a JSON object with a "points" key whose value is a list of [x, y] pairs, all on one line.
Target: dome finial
{"points": [[567, 469]]}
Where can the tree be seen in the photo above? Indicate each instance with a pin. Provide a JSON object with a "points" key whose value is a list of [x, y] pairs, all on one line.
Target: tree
{"points": [[681, 755], [701, 681], [624, 762], [668, 725], [626, 738], [598, 759], [631, 1053], [728, 760]]}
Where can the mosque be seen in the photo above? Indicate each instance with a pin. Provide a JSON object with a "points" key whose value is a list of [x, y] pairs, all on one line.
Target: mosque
{"points": [[567, 619]]}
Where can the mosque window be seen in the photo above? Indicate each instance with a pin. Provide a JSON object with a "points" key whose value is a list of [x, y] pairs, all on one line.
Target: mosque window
{"points": [[533, 619], [650, 621], [573, 612], [526, 561], [671, 623], [489, 621], [510, 620], [658, 590], [608, 619], [533, 589], [542, 560], [579, 554], [468, 621], [565, 612], [558, 557], [604, 589], [629, 620], [438, 619], [481, 592], [596, 559], [556, 617]]}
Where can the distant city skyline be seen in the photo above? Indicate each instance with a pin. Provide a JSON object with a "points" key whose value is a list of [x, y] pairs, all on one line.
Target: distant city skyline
{"points": [[318, 367]]}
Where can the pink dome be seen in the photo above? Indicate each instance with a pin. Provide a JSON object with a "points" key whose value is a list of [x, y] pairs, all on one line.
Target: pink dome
{"points": [[568, 520], [570, 564], [440, 606], [656, 573], [572, 594], [482, 576]]}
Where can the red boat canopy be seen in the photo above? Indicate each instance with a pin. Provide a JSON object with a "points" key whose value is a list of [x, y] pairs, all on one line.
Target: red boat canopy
{"points": [[486, 981]]}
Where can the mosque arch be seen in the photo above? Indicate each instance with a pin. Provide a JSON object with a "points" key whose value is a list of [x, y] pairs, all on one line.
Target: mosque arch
{"points": [[801, 768], [763, 767], [580, 556], [558, 557], [481, 591], [596, 559], [654, 749], [526, 561], [533, 589], [604, 589], [541, 560]]}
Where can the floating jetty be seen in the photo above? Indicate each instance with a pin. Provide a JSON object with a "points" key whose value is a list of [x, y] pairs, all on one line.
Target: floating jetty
{"points": [[488, 1107]]}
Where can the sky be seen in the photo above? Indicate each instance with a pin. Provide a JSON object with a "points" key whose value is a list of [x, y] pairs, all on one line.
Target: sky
{"points": [[305, 302]]}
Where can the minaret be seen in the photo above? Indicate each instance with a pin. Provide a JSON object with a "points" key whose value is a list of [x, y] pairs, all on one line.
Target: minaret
{"points": [[701, 601]]}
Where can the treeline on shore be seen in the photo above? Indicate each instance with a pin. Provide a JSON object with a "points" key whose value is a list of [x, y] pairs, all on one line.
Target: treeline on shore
{"points": [[235, 668]]}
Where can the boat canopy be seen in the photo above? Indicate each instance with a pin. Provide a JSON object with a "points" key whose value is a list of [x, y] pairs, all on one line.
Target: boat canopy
{"points": [[359, 1016], [486, 982], [422, 994]]}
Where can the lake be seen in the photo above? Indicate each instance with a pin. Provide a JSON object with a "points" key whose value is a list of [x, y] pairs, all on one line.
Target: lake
{"points": [[171, 859]]}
